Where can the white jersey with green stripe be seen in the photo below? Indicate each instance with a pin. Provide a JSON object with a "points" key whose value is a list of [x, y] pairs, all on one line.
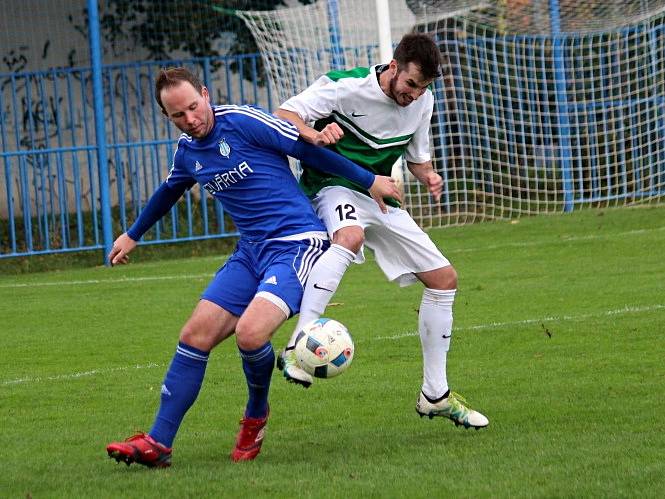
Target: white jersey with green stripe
{"points": [[377, 131]]}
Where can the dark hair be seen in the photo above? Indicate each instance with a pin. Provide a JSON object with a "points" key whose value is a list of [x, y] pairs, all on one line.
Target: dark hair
{"points": [[420, 49], [172, 77]]}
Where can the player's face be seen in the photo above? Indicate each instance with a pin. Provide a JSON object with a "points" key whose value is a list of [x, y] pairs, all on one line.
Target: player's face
{"points": [[189, 110], [406, 84]]}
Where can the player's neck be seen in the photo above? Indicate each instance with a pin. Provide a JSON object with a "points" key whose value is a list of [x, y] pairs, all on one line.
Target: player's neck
{"points": [[384, 83]]}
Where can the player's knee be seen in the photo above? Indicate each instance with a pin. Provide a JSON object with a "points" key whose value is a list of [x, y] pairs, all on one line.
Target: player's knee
{"points": [[197, 335], [441, 279], [448, 279], [352, 238], [249, 336]]}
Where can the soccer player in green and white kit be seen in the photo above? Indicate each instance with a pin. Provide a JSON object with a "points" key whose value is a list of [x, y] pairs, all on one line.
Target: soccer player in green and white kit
{"points": [[373, 116]]}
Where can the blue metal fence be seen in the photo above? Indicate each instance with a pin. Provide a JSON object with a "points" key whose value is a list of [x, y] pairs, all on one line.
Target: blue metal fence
{"points": [[529, 131], [51, 195]]}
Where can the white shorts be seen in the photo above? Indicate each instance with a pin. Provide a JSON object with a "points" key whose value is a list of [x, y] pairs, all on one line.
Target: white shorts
{"points": [[400, 246]]}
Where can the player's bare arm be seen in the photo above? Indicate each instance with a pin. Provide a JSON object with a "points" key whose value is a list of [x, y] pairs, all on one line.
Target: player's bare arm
{"points": [[120, 250], [331, 134], [384, 187], [425, 174]]}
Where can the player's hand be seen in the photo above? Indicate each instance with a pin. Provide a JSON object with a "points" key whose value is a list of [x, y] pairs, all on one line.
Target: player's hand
{"points": [[434, 184], [121, 249], [331, 134], [384, 187]]}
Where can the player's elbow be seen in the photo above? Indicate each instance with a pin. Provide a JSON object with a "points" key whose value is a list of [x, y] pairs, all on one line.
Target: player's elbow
{"points": [[283, 114]]}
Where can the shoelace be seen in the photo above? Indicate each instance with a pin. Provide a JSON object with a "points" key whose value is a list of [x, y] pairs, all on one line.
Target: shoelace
{"points": [[246, 423], [458, 402], [139, 434]]}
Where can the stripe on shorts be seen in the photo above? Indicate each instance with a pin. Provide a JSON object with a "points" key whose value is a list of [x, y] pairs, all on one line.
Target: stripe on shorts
{"points": [[309, 258]]}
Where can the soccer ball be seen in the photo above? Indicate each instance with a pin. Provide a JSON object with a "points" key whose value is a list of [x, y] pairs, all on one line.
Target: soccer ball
{"points": [[324, 348]]}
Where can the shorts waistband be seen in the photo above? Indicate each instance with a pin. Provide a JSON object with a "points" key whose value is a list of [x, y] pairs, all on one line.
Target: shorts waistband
{"points": [[313, 234]]}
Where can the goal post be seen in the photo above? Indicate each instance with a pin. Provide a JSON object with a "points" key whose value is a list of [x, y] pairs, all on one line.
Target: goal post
{"points": [[383, 27]]}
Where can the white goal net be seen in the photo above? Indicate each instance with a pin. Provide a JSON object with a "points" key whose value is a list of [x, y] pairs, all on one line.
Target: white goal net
{"points": [[545, 105]]}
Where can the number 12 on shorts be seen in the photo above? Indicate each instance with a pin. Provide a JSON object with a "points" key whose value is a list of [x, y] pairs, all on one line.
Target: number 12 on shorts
{"points": [[346, 212]]}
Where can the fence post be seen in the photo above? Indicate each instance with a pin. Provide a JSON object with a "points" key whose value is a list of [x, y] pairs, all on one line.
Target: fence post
{"points": [[562, 106], [335, 35], [100, 127]]}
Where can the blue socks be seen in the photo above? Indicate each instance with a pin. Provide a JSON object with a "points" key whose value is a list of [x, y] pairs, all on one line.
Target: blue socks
{"points": [[179, 391], [258, 365], [184, 378]]}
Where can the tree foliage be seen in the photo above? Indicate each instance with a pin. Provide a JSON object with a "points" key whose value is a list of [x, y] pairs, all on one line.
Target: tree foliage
{"points": [[203, 28]]}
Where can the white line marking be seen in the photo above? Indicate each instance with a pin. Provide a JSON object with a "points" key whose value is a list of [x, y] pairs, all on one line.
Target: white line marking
{"points": [[208, 276], [106, 281], [80, 374], [407, 334], [494, 325], [94, 372], [564, 239]]}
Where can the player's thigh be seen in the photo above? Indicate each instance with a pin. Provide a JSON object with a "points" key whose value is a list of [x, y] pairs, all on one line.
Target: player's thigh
{"points": [[208, 326], [402, 249]]}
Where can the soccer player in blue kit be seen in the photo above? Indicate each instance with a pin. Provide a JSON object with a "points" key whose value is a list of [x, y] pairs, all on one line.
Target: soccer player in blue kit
{"points": [[238, 154]]}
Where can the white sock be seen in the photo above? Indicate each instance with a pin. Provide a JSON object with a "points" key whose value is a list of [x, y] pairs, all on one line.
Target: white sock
{"points": [[435, 323], [321, 285]]}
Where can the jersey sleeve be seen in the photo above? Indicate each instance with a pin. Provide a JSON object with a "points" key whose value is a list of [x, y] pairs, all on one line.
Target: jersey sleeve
{"points": [[157, 206], [315, 102], [418, 150], [179, 179], [327, 161], [264, 130]]}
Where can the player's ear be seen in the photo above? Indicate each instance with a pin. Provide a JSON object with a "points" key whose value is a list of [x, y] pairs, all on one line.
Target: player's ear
{"points": [[205, 94], [394, 67]]}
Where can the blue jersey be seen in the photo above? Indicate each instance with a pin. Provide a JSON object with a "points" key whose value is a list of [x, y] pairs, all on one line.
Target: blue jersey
{"points": [[242, 163]]}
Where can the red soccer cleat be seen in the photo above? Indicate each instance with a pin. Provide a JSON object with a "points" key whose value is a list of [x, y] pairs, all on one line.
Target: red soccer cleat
{"points": [[249, 439], [140, 449]]}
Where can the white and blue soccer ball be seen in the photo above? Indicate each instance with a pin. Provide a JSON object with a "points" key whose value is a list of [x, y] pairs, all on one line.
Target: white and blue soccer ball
{"points": [[324, 348]]}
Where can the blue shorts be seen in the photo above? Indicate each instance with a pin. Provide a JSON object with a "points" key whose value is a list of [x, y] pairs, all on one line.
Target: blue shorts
{"points": [[275, 270]]}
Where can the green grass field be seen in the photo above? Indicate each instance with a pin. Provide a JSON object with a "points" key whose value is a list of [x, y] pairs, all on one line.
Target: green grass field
{"points": [[558, 339]]}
